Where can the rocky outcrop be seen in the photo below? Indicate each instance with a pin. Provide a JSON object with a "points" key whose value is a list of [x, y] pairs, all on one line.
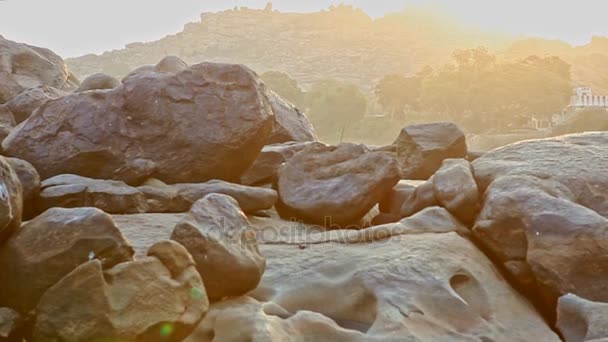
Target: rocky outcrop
{"points": [[545, 213], [50, 246], [26, 102], [23, 66], [121, 134], [161, 298], [334, 185], [98, 81], [72, 191], [264, 169], [250, 199], [582, 320], [217, 234], [11, 200], [30, 185], [291, 124], [422, 148]]}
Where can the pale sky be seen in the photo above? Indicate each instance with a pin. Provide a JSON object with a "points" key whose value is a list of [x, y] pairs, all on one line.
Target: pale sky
{"points": [[76, 27]]}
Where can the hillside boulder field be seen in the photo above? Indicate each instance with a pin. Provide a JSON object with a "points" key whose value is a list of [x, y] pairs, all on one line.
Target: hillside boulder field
{"points": [[191, 203]]}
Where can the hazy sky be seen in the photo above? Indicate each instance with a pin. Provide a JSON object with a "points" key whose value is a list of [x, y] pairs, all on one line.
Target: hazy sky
{"points": [[75, 27]]}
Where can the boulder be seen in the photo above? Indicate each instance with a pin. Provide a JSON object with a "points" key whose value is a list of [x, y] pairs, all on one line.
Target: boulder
{"points": [[171, 64], [30, 184], [24, 66], [455, 189], [158, 298], [50, 246], [290, 123], [7, 122], [216, 233], [250, 199], [209, 121], [581, 320], [393, 201], [164, 199], [264, 169], [545, 213], [10, 324], [26, 102], [72, 191], [334, 186], [11, 201], [422, 197], [98, 81], [389, 288], [422, 148]]}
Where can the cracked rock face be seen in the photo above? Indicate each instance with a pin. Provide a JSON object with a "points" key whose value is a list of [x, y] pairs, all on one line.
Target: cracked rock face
{"points": [[208, 121], [545, 213]]}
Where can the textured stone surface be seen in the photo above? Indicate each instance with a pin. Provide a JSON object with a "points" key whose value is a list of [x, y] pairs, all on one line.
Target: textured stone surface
{"points": [[25, 103], [98, 81], [580, 320], [290, 123], [50, 246], [208, 121], [30, 184], [422, 148], [455, 189], [11, 200], [217, 234], [335, 185]]}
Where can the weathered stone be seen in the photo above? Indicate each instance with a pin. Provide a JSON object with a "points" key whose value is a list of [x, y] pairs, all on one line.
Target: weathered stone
{"points": [[25, 103], [24, 66], [216, 233], [334, 185], [158, 298], [422, 148], [10, 322], [290, 123], [206, 122], [422, 197], [164, 199], [546, 204], [264, 169], [99, 81], [30, 184], [50, 246], [581, 320], [171, 64], [250, 199], [72, 191], [7, 122], [393, 201], [11, 201], [455, 189]]}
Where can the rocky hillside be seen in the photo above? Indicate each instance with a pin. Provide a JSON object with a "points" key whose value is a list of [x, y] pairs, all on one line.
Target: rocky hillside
{"points": [[190, 203], [342, 43]]}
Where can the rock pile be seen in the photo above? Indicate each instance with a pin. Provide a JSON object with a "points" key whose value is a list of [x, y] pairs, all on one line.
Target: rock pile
{"points": [[188, 203]]}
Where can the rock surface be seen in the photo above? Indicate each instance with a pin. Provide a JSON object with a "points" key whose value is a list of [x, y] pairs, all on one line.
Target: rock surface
{"points": [[582, 320], [250, 199], [30, 185], [157, 298], [50, 246], [217, 234], [213, 119], [72, 191], [98, 81], [25, 103], [7, 122], [545, 213], [290, 123], [23, 66], [422, 148], [10, 322], [334, 185], [11, 201], [455, 189]]}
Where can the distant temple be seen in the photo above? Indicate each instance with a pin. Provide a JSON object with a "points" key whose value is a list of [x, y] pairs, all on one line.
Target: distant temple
{"points": [[583, 97]]}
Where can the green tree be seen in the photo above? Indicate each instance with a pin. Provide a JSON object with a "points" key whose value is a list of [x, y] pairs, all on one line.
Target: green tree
{"points": [[333, 106], [286, 87], [397, 94]]}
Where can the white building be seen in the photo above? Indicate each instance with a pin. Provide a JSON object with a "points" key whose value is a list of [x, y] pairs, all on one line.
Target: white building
{"points": [[583, 97]]}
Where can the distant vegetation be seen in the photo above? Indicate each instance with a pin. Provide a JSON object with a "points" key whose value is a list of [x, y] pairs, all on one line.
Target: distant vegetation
{"points": [[586, 120]]}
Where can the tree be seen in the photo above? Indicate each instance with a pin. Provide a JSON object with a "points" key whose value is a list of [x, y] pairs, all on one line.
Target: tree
{"points": [[333, 105], [397, 93], [286, 87]]}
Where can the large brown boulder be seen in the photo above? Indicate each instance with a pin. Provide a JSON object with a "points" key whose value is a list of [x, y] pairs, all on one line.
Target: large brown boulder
{"points": [[335, 185], [290, 123], [455, 189], [11, 200], [50, 246], [98, 81], [26, 102], [30, 184], [209, 121], [422, 148], [157, 298], [217, 234], [23, 66], [545, 214]]}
